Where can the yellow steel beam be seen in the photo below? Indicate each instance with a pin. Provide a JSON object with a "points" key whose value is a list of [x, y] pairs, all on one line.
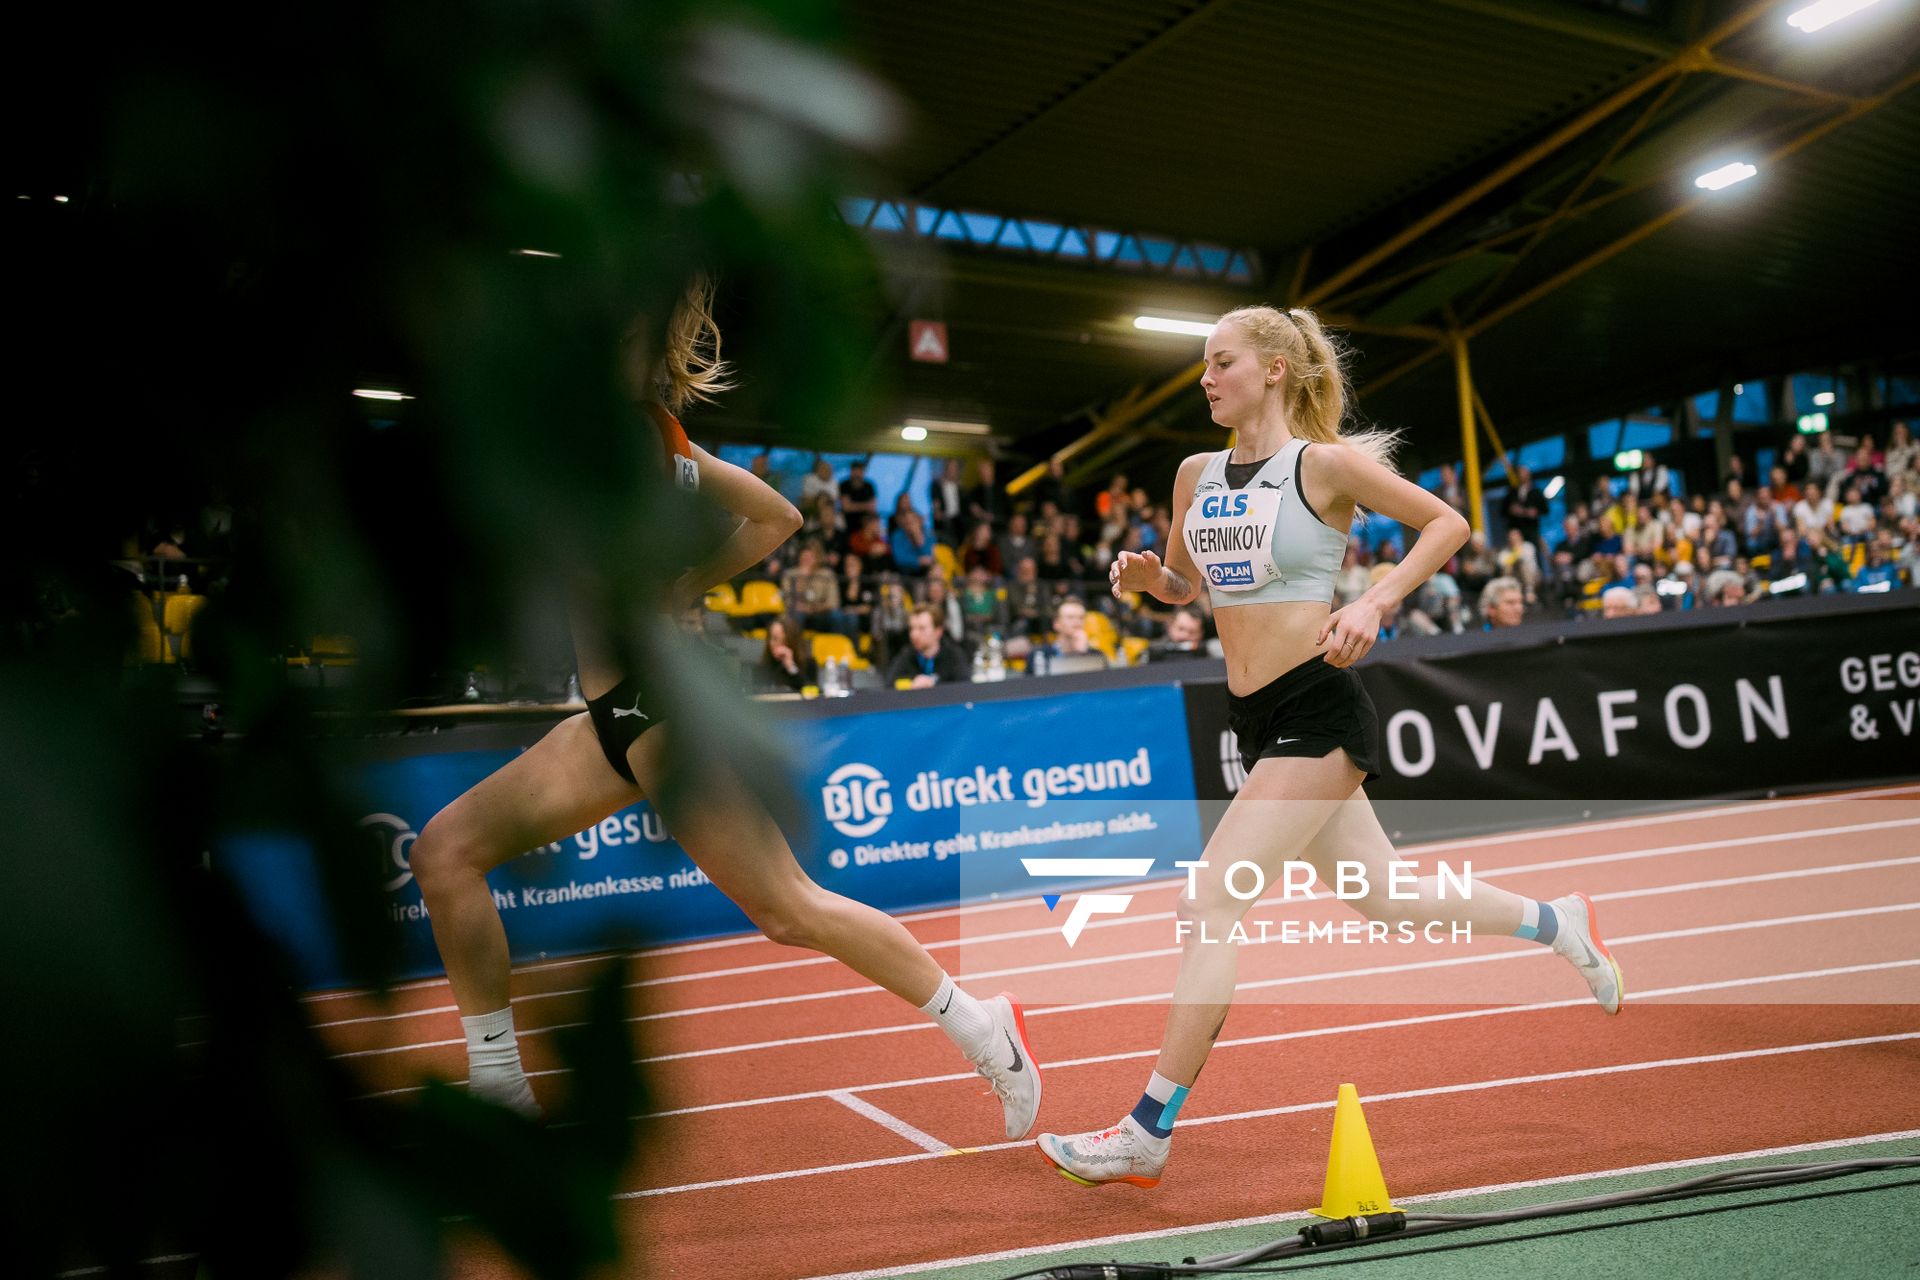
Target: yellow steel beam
{"points": [[1124, 413], [1534, 154], [1740, 71], [1486, 421], [1606, 252], [1469, 438]]}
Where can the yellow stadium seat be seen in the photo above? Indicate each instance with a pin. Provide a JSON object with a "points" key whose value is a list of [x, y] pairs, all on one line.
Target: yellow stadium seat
{"points": [[149, 644], [949, 563], [758, 598], [1135, 647], [179, 611], [828, 644], [1762, 561], [721, 599], [1100, 631], [335, 651]]}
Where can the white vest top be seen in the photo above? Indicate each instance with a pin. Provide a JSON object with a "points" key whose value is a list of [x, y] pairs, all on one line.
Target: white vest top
{"points": [[1263, 543]]}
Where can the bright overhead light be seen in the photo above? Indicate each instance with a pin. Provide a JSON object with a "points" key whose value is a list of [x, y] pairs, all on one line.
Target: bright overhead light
{"points": [[1164, 324], [1811, 424], [375, 393], [1629, 460], [1554, 486], [1823, 398], [1739, 388], [1825, 13], [924, 425], [1725, 176], [532, 253], [60, 199], [913, 433]]}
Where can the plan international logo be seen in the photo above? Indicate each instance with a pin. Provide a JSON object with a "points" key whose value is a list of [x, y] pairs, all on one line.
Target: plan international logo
{"points": [[1088, 905]]}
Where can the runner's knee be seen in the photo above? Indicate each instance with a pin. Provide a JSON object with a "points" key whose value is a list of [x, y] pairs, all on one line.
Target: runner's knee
{"points": [[441, 855]]}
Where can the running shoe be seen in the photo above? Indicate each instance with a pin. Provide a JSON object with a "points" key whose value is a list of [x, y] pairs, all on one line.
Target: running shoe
{"points": [[1009, 1066], [1120, 1154], [1579, 941]]}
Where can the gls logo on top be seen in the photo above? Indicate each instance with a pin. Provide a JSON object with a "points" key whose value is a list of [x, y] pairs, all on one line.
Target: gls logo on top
{"points": [[1223, 506]]}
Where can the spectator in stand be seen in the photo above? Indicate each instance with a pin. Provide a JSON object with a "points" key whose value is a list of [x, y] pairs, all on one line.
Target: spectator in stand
{"points": [[911, 547], [869, 540], [1901, 500], [890, 617], [982, 611], [1436, 606], [1054, 564], [819, 484], [1070, 638], [1525, 506], [949, 504], [902, 504], [788, 662], [1785, 491], [1734, 482], [1857, 517], [1018, 544], [1796, 461], [856, 595], [812, 593], [1826, 463], [1478, 566], [1879, 573], [1909, 559], [1503, 603], [1726, 587], [1518, 559], [1353, 580], [1027, 598], [937, 596], [1186, 638], [1760, 532], [1830, 569], [1647, 603], [928, 658], [1560, 590], [1574, 538], [1052, 487], [1903, 455], [175, 545], [1865, 474], [858, 498], [982, 552], [1813, 511], [1721, 545], [984, 500], [820, 522], [1072, 541], [1793, 556], [1449, 489], [1618, 602]]}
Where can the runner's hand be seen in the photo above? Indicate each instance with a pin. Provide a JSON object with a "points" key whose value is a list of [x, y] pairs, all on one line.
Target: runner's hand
{"points": [[1353, 630], [1134, 571]]}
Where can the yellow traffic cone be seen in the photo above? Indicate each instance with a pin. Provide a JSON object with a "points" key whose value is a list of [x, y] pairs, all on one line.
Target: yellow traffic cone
{"points": [[1355, 1184]]}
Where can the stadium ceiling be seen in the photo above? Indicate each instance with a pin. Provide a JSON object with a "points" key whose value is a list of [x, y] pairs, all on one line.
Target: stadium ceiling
{"points": [[1517, 173]]}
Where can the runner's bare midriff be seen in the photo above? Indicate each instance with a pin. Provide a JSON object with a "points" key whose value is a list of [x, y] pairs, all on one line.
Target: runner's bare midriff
{"points": [[1264, 641]]}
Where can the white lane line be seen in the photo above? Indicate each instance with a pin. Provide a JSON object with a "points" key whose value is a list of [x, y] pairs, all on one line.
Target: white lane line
{"points": [[980, 908], [1262, 1113], [1256, 985], [1306, 1033], [887, 1120], [1498, 873], [1431, 1197]]}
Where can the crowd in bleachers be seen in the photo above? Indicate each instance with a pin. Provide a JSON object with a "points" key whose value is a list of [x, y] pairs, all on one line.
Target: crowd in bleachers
{"points": [[916, 596]]}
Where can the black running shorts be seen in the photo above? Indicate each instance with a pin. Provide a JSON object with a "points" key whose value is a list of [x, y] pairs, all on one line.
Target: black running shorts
{"points": [[1308, 711], [620, 716]]}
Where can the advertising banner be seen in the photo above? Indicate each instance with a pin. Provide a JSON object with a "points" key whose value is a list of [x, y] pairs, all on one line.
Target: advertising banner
{"points": [[912, 807], [1610, 710]]}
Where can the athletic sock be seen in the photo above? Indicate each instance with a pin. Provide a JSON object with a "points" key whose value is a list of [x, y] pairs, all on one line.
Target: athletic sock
{"points": [[1538, 922], [1159, 1107], [964, 1019], [493, 1063]]}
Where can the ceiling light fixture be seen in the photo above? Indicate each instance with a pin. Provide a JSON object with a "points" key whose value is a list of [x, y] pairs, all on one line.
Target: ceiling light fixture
{"points": [[60, 199], [1165, 324], [376, 393], [532, 253], [1825, 14], [915, 434], [1823, 398], [1554, 486], [949, 428], [1725, 176]]}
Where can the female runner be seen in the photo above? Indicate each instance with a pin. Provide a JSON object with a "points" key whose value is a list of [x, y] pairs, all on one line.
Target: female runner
{"points": [[615, 753], [1263, 527]]}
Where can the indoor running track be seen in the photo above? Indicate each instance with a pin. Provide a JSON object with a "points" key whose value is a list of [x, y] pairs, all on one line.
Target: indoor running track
{"points": [[1772, 955]]}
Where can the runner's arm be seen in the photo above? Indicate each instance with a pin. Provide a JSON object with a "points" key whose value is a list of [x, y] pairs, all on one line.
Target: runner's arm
{"points": [[766, 521]]}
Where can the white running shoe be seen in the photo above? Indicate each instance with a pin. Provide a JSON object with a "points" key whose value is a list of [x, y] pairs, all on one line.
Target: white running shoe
{"points": [[1579, 941], [1123, 1153], [1009, 1065]]}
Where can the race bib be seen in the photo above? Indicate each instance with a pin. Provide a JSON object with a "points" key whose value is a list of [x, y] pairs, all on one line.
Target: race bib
{"points": [[1229, 533]]}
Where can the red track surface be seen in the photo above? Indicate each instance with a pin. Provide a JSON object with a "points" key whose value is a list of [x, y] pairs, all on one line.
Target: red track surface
{"points": [[1470, 1083]]}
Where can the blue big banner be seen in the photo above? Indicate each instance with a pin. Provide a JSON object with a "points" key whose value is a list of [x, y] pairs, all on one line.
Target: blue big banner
{"points": [[912, 807]]}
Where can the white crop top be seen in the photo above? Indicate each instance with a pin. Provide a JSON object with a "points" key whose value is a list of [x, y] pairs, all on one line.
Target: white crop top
{"points": [[1263, 543]]}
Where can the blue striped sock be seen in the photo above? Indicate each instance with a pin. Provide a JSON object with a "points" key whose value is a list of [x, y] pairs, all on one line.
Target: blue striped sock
{"points": [[1539, 922], [1160, 1106]]}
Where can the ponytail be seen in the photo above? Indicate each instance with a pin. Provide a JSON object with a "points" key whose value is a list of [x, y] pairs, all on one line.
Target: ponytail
{"points": [[1316, 387], [687, 366]]}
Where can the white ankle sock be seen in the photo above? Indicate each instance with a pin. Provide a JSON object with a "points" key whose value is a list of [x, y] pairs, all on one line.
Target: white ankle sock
{"points": [[964, 1019], [493, 1062]]}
